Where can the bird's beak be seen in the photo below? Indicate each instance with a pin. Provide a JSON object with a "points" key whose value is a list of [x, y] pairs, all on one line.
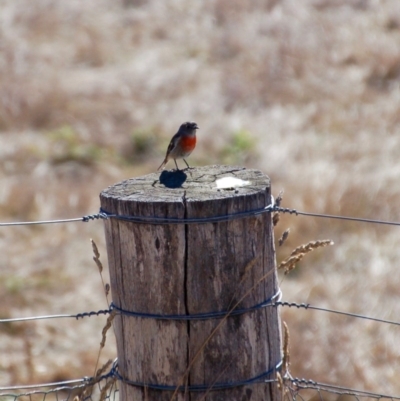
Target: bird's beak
{"points": [[196, 126]]}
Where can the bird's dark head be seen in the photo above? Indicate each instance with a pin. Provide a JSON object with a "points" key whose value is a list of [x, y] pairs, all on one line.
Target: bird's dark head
{"points": [[190, 125]]}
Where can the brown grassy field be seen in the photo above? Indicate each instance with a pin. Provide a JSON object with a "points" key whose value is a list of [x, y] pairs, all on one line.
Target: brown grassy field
{"points": [[306, 91]]}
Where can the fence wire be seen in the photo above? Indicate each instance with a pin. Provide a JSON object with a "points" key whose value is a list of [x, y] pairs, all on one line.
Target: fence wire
{"points": [[106, 387], [293, 389], [303, 389], [272, 208]]}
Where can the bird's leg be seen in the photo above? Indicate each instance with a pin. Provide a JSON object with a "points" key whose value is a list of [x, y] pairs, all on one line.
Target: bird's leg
{"points": [[186, 163], [176, 164]]}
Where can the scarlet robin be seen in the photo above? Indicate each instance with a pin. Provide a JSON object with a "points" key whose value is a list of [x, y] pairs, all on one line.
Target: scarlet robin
{"points": [[182, 144]]}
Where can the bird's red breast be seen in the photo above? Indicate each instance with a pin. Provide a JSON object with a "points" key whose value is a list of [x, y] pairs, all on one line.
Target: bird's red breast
{"points": [[188, 142]]}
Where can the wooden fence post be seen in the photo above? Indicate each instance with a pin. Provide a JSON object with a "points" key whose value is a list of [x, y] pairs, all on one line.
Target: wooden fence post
{"points": [[178, 269]]}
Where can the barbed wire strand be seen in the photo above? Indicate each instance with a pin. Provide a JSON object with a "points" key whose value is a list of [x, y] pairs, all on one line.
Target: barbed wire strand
{"points": [[251, 213], [65, 383], [203, 316], [317, 308], [300, 383], [31, 223], [348, 218], [311, 384], [83, 219], [62, 316], [214, 219]]}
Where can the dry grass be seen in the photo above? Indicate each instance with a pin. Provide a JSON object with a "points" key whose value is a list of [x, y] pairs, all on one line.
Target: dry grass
{"points": [[90, 93], [298, 254]]}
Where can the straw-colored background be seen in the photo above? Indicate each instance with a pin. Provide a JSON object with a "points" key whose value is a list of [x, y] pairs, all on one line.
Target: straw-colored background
{"points": [[307, 91]]}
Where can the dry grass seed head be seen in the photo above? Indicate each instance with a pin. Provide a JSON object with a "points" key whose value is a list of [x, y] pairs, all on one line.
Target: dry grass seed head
{"points": [[98, 263], [284, 237], [106, 327], [286, 348], [293, 263], [281, 387], [276, 216], [96, 256], [275, 219], [279, 198], [89, 388], [290, 263], [104, 390], [103, 368], [280, 381], [95, 249], [311, 246]]}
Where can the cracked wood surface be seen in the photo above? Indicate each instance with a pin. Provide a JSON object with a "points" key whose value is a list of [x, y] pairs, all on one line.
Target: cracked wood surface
{"points": [[188, 269]]}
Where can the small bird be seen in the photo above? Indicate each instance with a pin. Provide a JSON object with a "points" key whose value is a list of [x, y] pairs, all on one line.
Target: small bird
{"points": [[182, 144]]}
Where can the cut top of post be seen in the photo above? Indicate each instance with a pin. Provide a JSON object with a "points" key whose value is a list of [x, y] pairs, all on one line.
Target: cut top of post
{"points": [[183, 187]]}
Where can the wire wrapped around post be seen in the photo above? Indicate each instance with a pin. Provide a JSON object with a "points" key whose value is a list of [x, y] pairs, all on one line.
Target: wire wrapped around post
{"points": [[198, 248]]}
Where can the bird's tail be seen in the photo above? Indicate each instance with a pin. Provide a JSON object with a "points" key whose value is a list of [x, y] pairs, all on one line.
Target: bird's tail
{"points": [[162, 164]]}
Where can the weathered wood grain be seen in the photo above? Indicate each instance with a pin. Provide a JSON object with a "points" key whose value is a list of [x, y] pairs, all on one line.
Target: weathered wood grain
{"points": [[187, 269]]}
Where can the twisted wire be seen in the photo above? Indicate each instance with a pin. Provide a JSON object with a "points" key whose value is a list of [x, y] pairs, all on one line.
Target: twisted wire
{"points": [[62, 316], [261, 378], [103, 215], [302, 383], [201, 316], [317, 308]]}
